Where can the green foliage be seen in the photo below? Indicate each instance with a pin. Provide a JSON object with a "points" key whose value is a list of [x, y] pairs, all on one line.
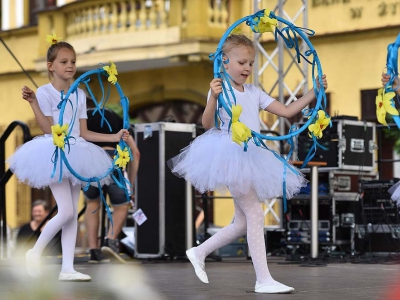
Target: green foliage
{"points": [[393, 134], [115, 107]]}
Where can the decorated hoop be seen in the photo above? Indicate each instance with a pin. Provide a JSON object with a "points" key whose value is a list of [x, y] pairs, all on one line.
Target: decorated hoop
{"points": [[263, 21], [385, 98], [61, 135], [260, 22]]}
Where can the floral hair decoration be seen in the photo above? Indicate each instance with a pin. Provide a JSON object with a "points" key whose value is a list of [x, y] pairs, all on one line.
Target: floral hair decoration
{"points": [[53, 39]]}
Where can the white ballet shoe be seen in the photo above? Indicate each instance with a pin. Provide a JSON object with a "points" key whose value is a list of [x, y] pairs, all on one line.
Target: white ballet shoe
{"points": [[32, 264], [74, 277], [197, 265], [274, 288]]}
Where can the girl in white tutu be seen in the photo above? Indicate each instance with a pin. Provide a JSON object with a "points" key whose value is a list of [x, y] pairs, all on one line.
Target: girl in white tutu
{"points": [[215, 161], [32, 162]]}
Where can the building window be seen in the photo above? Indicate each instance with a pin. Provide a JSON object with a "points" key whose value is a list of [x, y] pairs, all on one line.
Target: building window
{"points": [[368, 107], [36, 6]]}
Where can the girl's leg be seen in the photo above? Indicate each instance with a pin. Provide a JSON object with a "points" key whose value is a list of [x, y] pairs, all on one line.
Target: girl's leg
{"points": [[69, 232], [251, 208], [224, 236], [62, 195]]}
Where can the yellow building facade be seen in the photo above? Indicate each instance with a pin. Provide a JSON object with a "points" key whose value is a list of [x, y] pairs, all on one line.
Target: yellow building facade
{"points": [[161, 50]]}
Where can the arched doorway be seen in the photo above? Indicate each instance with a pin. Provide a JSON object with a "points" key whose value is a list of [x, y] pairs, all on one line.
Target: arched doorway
{"points": [[179, 111]]}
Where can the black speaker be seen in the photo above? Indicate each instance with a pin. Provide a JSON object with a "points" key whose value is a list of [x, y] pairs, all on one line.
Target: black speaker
{"points": [[376, 206], [165, 199], [329, 140], [350, 145]]}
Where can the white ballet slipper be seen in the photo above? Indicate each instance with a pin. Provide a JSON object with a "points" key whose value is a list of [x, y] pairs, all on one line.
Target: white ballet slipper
{"points": [[274, 288], [198, 266], [74, 277], [32, 264]]}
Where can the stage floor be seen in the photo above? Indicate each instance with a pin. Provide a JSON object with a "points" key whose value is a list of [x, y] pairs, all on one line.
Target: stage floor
{"points": [[229, 279]]}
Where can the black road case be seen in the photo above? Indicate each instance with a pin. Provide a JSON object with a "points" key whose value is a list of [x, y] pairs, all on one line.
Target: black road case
{"points": [[350, 144], [165, 199]]}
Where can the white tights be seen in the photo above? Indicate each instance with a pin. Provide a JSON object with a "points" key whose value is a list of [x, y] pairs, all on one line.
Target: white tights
{"points": [[249, 218], [66, 196]]}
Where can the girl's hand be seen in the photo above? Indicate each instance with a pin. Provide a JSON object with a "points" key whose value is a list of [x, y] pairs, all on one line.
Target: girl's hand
{"points": [[28, 94], [123, 134], [324, 82], [385, 79], [216, 87]]}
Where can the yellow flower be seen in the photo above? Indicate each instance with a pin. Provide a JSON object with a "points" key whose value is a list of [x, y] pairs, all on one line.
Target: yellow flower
{"points": [[320, 124], [236, 30], [240, 132], [123, 158], [59, 133], [384, 105], [266, 24], [53, 39], [112, 72]]}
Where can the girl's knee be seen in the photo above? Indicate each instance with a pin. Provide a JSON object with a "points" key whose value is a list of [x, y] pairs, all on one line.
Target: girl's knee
{"points": [[67, 216], [256, 217], [241, 226]]}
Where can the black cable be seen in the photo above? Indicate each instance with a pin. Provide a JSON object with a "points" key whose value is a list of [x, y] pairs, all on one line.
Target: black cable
{"points": [[16, 59]]}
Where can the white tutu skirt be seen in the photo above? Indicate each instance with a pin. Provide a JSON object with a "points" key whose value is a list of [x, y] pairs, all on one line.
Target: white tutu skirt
{"points": [[32, 162], [213, 162]]}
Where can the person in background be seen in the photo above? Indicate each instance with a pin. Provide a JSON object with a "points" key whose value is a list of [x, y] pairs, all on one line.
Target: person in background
{"points": [[29, 233], [116, 195]]}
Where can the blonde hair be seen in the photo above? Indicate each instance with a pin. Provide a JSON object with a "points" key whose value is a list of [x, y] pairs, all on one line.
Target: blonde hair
{"points": [[236, 40], [53, 51]]}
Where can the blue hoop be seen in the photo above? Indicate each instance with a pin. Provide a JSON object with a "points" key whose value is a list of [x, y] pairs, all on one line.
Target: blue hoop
{"points": [[289, 34], [59, 154], [290, 42]]}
